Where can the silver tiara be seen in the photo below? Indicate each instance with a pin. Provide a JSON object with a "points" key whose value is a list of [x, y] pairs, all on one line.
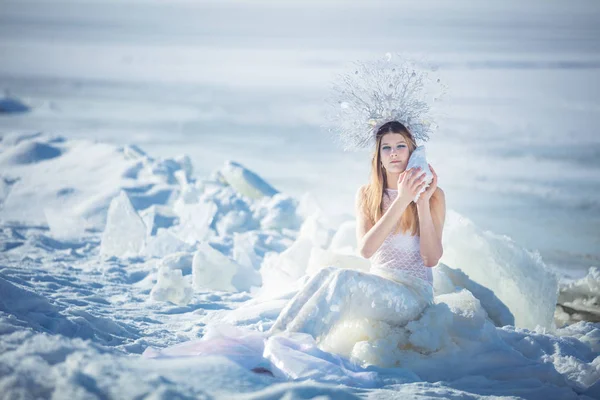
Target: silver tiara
{"points": [[380, 91]]}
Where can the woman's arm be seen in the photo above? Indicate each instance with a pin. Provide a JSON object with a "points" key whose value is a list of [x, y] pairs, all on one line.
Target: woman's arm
{"points": [[431, 225], [370, 237]]}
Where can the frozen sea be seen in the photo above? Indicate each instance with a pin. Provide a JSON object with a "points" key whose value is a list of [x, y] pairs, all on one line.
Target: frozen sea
{"points": [[517, 153]]}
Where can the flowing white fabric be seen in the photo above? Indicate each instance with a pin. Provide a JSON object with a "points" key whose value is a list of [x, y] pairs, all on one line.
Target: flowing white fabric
{"points": [[290, 350], [335, 294]]}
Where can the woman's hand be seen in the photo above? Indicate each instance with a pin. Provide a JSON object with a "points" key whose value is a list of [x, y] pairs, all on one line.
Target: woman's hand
{"points": [[426, 195], [410, 183]]}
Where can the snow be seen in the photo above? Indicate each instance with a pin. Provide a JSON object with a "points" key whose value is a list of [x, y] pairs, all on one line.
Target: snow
{"points": [[29, 152], [289, 307], [83, 180]]}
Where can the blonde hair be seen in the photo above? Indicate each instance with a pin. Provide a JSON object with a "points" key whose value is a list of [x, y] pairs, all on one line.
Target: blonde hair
{"points": [[374, 191]]}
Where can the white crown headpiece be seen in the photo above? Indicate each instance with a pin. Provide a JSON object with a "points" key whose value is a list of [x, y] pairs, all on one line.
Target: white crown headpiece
{"points": [[381, 91]]}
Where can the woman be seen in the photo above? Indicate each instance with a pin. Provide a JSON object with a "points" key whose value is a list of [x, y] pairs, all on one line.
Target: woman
{"points": [[384, 207], [403, 239]]}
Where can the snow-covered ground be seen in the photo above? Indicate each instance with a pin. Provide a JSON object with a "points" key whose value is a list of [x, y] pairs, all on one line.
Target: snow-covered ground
{"points": [[126, 229], [109, 253]]}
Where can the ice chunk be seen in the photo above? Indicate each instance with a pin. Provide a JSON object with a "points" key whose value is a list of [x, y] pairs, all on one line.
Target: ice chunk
{"points": [[519, 278], [308, 205], [184, 175], [194, 221], [162, 170], [579, 299], [172, 286], [294, 260], [165, 243], [344, 239], [245, 278], [280, 271], [588, 286], [417, 159], [157, 216], [243, 249], [191, 193], [277, 212], [182, 261], [317, 230], [245, 181], [63, 224], [211, 269], [125, 232], [143, 195], [234, 221]]}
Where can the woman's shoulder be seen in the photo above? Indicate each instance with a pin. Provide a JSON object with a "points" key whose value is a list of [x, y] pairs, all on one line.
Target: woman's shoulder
{"points": [[438, 199], [361, 194], [362, 190]]}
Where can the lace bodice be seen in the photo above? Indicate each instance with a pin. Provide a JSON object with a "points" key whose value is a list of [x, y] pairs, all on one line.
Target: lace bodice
{"points": [[400, 251]]}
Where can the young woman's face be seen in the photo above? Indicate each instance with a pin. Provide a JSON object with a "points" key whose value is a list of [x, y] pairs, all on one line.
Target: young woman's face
{"points": [[394, 152]]}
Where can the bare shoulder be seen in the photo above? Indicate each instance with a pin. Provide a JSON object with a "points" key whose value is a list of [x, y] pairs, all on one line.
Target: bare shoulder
{"points": [[360, 197], [360, 193], [363, 222], [438, 202], [440, 195]]}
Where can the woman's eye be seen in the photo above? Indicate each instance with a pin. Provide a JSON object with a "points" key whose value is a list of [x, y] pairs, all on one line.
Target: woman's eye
{"points": [[385, 148], [400, 146]]}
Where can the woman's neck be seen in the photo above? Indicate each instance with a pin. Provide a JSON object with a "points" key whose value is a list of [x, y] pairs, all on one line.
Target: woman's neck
{"points": [[392, 181]]}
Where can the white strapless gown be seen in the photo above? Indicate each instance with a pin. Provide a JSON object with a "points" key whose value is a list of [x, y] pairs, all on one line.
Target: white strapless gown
{"points": [[394, 292]]}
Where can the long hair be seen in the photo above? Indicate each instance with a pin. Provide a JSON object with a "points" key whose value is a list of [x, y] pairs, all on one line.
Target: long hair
{"points": [[375, 190]]}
